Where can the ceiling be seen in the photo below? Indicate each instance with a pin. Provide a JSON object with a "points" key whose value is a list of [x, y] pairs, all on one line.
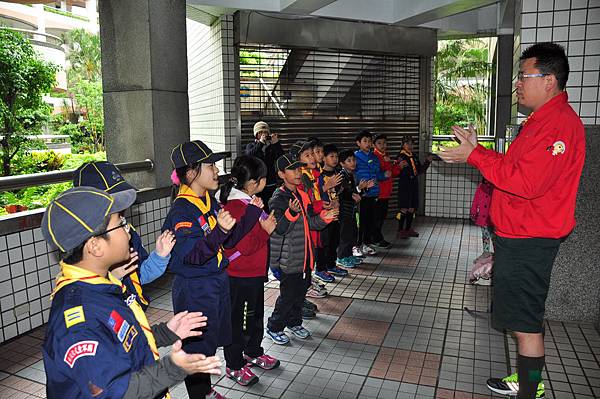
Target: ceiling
{"points": [[452, 18]]}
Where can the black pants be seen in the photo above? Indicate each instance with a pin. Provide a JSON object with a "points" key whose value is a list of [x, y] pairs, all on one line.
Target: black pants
{"points": [[198, 385], [326, 254], [380, 215], [288, 308], [247, 312], [367, 220], [348, 233]]}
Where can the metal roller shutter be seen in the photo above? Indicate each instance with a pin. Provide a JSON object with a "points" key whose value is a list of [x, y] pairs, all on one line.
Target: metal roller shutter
{"points": [[329, 94]]}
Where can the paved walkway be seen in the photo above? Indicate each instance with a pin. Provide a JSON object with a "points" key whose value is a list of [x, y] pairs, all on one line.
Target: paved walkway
{"points": [[404, 325]]}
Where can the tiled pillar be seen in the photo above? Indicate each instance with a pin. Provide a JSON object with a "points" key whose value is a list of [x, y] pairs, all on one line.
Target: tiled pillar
{"points": [[575, 24], [144, 76], [214, 116]]}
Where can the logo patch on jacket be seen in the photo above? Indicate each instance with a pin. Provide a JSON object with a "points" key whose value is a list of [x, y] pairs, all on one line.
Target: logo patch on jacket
{"points": [[557, 148], [118, 325], [80, 349], [183, 225], [128, 342], [74, 316]]}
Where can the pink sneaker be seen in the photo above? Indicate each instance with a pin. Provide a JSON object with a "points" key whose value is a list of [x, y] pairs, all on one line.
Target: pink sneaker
{"points": [[214, 395], [265, 362], [244, 376]]}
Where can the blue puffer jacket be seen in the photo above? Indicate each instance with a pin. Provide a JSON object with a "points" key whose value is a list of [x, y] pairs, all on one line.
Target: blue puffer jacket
{"points": [[368, 168]]}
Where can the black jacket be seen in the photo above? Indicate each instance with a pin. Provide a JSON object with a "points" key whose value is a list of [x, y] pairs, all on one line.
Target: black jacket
{"points": [[269, 154]]}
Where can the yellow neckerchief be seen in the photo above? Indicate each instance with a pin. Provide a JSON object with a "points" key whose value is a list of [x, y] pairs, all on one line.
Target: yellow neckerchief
{"points": [[315, 185], [135, 279], [187, 193], [70, 274], [409, 154]]}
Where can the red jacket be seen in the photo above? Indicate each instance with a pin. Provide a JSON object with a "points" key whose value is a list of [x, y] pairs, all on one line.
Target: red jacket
{"points": [[249, 257], [385, 186], [535, 183]]}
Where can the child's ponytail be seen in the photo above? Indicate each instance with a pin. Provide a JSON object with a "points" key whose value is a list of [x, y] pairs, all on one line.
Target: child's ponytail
{"points": [[244, 169]]}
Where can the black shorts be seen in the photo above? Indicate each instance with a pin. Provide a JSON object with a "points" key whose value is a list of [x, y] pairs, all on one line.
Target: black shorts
{"points": [[521, 273]]}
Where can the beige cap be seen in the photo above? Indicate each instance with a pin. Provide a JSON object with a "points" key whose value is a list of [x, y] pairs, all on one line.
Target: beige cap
{"points": [[260, 126]]}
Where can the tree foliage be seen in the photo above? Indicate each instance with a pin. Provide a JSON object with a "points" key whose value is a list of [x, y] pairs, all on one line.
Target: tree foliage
{"points": [[84, 77], [461, 84], [24, 79]]}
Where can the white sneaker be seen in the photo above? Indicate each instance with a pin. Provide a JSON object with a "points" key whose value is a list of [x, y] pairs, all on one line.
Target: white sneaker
{"points": [[357, 252], [367, 250]]}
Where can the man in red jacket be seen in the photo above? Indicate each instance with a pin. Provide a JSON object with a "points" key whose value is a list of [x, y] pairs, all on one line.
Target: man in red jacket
{"points": [[385, 187], [533, 206]]}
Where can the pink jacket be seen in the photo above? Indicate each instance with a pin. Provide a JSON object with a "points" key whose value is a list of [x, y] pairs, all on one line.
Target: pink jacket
{"points": [[480, 208]]}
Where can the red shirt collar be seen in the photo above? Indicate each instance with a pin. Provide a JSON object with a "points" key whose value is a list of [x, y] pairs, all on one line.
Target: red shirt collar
{"points": [[549, 107]]}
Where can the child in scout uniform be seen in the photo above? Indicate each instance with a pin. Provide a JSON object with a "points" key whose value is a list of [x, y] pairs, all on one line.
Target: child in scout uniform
{"points": [[202, 230], [408, 188], [98, 341], [105, 176], [292, 249]]}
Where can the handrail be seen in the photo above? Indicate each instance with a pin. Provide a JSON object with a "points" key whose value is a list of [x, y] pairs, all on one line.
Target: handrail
{"points": [[450, 137], [41, 179], [34, 33]]}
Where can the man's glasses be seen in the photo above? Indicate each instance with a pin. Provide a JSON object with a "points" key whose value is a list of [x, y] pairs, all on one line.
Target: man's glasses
{"points": [[521, 75], [122, 224]]}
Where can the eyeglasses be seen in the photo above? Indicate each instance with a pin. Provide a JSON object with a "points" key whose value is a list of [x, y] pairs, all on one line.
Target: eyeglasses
{"points": [[122, 224], [521, 75]]}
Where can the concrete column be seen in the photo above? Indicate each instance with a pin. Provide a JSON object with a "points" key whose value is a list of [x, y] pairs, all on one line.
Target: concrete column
{"points": [[144, 76], [575, 286], [41, 22], [503, 89]]}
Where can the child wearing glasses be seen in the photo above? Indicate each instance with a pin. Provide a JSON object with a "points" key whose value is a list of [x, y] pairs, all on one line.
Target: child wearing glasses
{"points": [[141, 268]]}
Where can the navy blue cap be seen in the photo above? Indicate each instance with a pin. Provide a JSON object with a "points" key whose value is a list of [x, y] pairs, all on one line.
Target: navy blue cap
{"points": [[300, 146], [102, 175], [287, 161], [192, 152], [78, 213]]}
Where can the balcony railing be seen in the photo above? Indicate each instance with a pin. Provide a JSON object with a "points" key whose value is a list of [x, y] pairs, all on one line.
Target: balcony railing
{"points": [[38, 38]]}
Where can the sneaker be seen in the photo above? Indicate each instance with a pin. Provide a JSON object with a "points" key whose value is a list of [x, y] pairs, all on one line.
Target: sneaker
{"points": [[383, 244], [300, 332], [336, 271], [324, 277], [214, 395], [245, 377], [344, 262], [367, 250], [403, 234], [265, 362], [278, 337], [357, 252], [486, 281], [510, 386], [412, 233], [356, 260], [308, 314], [316, 290], [309, 305]]}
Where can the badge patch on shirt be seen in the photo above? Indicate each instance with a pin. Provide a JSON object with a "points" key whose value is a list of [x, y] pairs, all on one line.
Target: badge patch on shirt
{"points": [[204, 225], [183, 225], [80, 349], [130, 299], [557, 148], [115, 321], [74, 316], [128, 342]]}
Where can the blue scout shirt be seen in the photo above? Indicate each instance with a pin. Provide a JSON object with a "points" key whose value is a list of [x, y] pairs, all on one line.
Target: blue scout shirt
{"points": [[93, 341]]}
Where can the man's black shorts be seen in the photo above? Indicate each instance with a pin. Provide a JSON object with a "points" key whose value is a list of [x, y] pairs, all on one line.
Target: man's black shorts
{"points": [[521, 275]]}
